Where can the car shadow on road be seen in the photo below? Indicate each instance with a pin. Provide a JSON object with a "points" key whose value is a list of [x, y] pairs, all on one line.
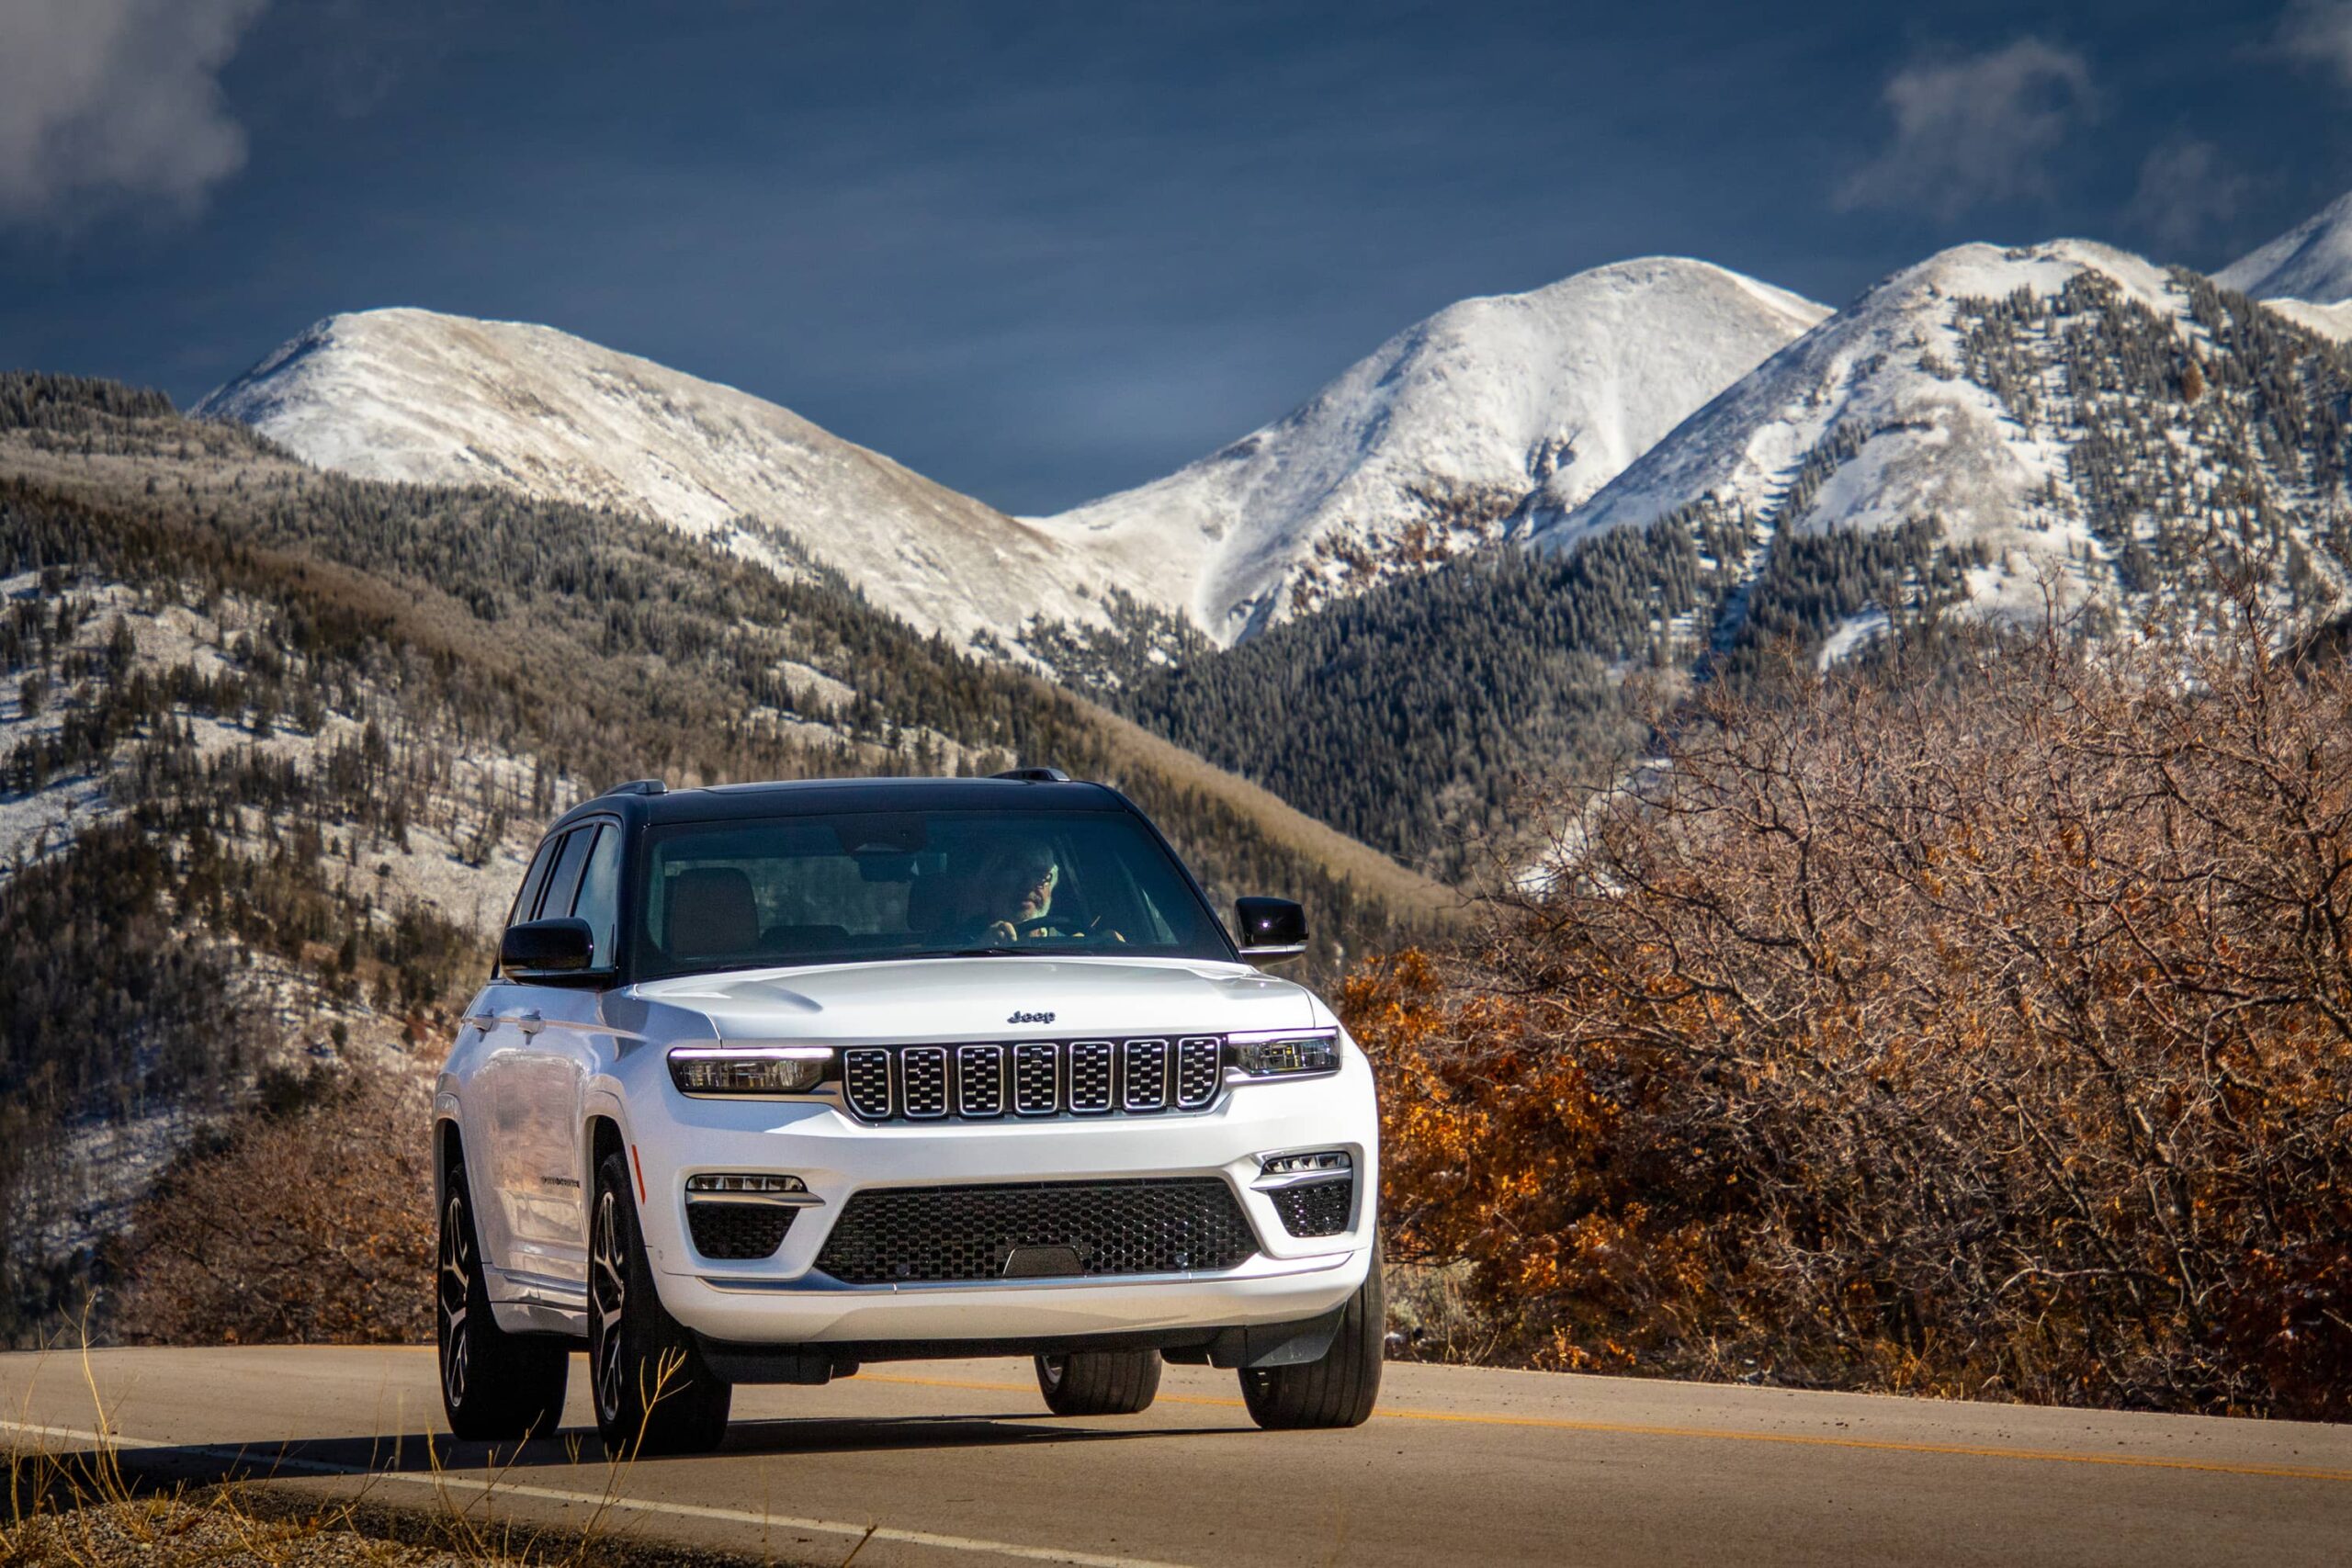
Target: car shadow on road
{"points": [[578, 1450]]}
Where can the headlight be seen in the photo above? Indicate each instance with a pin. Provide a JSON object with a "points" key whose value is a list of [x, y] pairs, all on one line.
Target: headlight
{"points": [[1285, 1056], [749, 1069]]}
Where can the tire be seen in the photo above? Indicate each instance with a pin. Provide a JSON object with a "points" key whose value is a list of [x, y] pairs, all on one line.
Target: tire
{"points": [[653, 1392], [1099, 1382], [1340, 1389], [495, 1386]]}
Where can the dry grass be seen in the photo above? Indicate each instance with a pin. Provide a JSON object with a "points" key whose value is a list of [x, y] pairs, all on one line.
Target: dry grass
{"points": [[115, 1502]]}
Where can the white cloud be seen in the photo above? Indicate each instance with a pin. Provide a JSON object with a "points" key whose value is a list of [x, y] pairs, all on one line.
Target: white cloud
{"points": [[1975, 129], [2186, 192], [2319, 32], [107, 100]]}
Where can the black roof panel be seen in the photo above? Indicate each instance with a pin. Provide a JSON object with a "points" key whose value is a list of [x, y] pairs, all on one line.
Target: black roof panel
{"points": [[809, 797]]}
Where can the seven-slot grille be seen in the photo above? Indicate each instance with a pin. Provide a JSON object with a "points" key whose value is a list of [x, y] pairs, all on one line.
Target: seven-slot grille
{"points": [[1035, 1077]]}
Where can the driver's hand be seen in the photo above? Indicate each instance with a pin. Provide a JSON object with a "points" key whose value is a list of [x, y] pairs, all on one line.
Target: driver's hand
{"points": [[1003, 931], [1102, 932]]}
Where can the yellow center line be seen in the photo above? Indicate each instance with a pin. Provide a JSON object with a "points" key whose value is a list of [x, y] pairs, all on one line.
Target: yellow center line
{"points": [[1720, 1434], [1710, 1434]]}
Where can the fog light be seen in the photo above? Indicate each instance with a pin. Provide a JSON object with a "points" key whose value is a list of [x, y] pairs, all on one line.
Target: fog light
{"points": [[754, 1183], [1305, 1165], [749, 1070]]}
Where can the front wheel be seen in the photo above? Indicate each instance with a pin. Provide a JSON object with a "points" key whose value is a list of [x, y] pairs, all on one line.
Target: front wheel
{"points": [[655, 1395], [1339, 1389], [1099, 1382], [495, 1386]]}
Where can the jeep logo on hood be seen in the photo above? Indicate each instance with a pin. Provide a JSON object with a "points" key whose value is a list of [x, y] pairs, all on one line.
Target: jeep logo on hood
{"points": [[1031, 1017]]}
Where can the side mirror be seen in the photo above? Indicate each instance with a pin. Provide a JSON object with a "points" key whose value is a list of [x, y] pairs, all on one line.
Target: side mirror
{"points": [[546, 947], [1273, 931]]}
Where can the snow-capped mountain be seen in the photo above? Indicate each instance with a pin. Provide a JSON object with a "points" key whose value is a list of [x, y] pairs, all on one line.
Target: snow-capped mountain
{"points": [[2311, 262], [2065, 414], [414, 395], [1425, 448]]}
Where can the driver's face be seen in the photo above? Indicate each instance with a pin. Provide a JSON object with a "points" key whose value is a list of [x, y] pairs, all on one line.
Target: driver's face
{"points": [[1029, 887]]}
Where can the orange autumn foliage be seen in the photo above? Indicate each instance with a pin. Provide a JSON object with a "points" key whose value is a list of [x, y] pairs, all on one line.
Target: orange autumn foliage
{"points": [[1986, 1033]]}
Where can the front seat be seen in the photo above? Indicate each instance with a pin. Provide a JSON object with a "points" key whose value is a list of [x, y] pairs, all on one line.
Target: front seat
{"points": [[712, 913]]}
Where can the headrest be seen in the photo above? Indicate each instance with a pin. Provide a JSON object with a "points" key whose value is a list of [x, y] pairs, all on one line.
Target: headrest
{"points": [[712, 912]]}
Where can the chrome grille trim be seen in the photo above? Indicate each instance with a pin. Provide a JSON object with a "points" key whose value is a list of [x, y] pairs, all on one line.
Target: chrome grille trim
{"points": [[982, 1081], [1147, 1075], [922, 1081], [979, 1081], [865, 1083], [1037, 1078], [1090, 1076], [1200, 1062]]}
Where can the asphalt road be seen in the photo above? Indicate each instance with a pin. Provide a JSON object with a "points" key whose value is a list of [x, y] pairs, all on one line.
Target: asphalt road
{"points": [[958, 1463]]}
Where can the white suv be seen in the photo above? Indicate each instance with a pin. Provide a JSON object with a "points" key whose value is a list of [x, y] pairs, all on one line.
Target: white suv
{"points": [[776, 1079]]}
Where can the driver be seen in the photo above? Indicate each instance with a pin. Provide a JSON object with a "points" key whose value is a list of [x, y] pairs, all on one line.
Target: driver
{"points": [[1015, 898]]}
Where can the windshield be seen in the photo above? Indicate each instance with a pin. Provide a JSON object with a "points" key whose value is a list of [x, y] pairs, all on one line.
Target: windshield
{"points": [[821, 889]]}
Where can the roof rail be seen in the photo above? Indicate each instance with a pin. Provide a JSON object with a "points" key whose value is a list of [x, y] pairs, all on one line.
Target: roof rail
{"points": [[639, 786], [1033, 775]]}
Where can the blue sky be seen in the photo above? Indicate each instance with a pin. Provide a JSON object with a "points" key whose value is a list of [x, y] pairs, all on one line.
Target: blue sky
{"points": [[1040, 250]]}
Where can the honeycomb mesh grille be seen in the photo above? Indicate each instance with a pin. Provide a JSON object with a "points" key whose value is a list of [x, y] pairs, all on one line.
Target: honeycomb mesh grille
{"points": [[1317, 1208], [1068, 1229], [736, 1232]]}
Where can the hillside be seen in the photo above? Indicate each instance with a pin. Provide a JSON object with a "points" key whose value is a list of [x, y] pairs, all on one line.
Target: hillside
{"points": [[1422, 450], [273, 743], [1974, 432], [2084, 422], [430, 399], [2312, 262]]}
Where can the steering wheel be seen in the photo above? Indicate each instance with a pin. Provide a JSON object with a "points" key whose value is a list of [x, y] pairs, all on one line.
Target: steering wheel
{"points": [[1026, 929]]}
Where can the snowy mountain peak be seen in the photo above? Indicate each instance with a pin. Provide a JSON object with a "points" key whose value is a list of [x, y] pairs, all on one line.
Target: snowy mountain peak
{"points": [[2311, 262], [419, 395], [1425, 448], [2051, 416]]}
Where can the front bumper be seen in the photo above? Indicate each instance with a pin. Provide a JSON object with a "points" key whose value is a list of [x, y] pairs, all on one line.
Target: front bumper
{"points": [[784, 1300]]}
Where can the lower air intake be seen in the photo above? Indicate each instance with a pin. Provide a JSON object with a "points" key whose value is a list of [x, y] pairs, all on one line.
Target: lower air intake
{"points": [[738, 1232], [1065, 1229], [1317, 1208]]}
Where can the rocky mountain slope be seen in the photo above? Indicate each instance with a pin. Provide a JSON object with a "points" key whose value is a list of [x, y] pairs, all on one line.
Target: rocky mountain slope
{"points": [[1977, 432], [2073, 417], [1414, 454], [1422, 449], [430, 399]]}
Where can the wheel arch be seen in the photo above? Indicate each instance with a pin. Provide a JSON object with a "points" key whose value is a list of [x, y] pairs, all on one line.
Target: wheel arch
{"points": [[448, 1150]]}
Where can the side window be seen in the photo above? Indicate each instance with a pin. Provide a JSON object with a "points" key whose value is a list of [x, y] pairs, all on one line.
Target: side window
{"points": [[600, 896], [527, 899], [563, 883]]}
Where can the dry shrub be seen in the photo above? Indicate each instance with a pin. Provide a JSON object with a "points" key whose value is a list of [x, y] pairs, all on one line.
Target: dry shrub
{"points": [[309, 1221], [1987, 1035]]}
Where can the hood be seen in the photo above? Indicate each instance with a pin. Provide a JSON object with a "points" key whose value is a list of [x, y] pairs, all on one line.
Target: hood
{"points": [[979, 999]]}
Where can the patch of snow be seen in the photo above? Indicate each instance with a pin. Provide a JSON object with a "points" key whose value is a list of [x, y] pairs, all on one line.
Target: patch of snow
{"points": [[432, 399], [1447, 428], [2312, 262]]}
